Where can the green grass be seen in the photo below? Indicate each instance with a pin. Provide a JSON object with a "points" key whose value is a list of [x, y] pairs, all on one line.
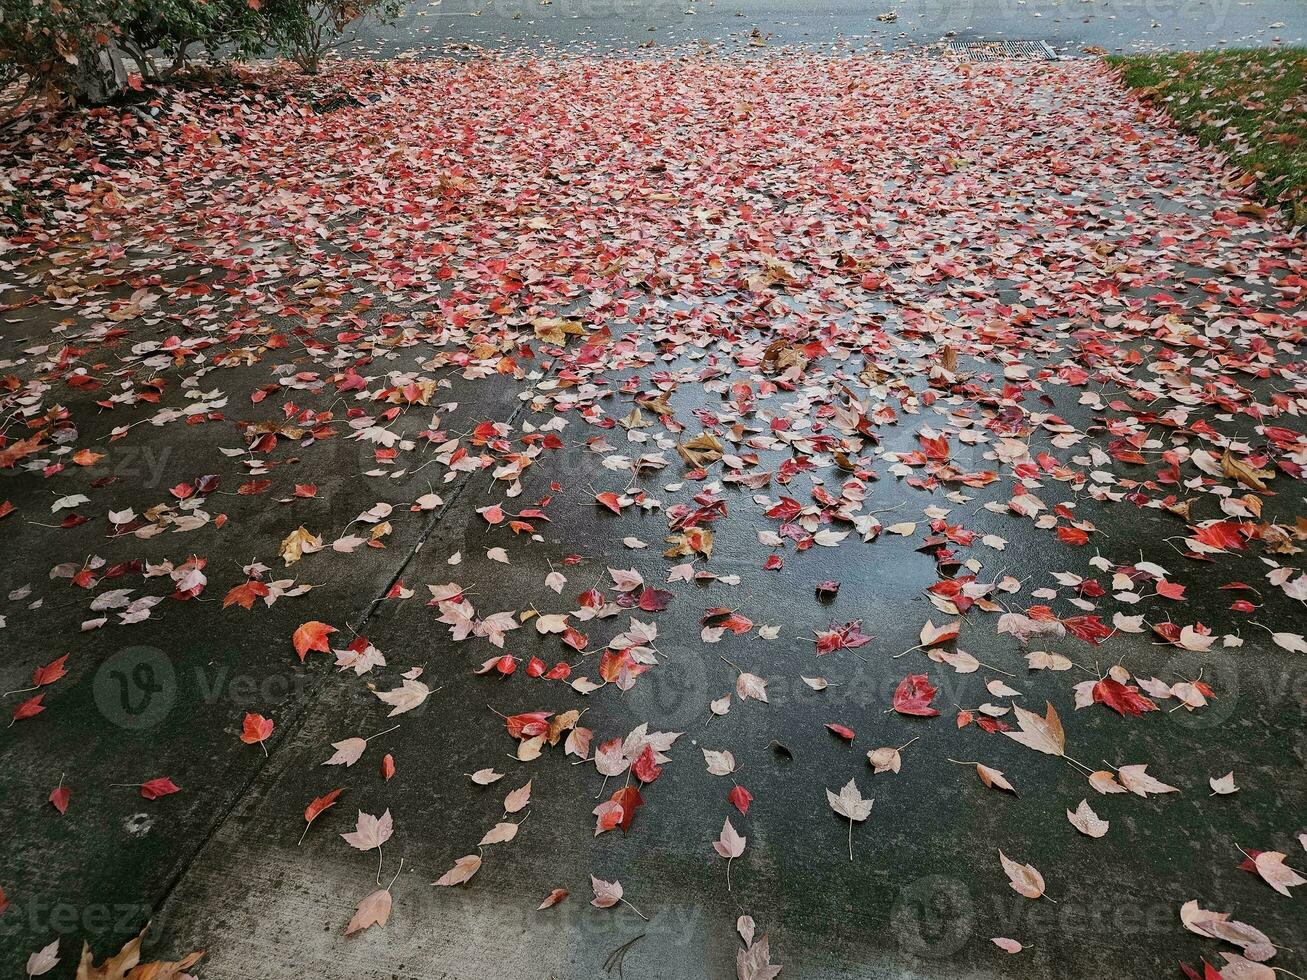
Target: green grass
{"points": [[1252, 104]]}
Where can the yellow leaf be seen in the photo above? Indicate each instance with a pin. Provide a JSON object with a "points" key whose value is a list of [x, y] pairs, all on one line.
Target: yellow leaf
{"points": [[1235, 469], [299, 542]]}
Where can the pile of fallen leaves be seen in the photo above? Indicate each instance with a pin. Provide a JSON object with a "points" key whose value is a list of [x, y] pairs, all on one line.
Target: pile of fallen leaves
{"points": [[770, 310]]}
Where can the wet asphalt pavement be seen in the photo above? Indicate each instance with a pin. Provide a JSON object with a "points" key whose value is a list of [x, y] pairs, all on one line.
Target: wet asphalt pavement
{"points": [[218, 866], [1069, 26]]}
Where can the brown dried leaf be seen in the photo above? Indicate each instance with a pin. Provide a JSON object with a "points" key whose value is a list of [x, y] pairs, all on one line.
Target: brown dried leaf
{"points": [[127, 963]]}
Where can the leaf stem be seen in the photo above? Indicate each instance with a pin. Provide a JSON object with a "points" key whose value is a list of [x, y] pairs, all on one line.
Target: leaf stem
{"points": [[393, 880]]}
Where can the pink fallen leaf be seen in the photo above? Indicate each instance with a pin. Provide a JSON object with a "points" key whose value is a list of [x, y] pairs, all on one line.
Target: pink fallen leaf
{"points": [[1041, 734], [1139, 782], [43, 960], [994, 778], [754, 962], [500, 833], [374, 910], [518, 798], [370, 831], [1025, 880], [1085, 820], [1270, 865], [462, 871], [348, 751], [607, 893], [729, 845], [1223, 785], [850, 804]]}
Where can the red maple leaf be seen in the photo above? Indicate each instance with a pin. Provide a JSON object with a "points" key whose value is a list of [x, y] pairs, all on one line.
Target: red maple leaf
{"points": [[255, 728], [29, 708], [1249, 863], [152, 789], [1121, 698], [320, 803], [311, 636], [610, 500], [936, 448], [644, 767], [1089, 628], [654, 600], [726, 619], [1224, 535], [528, 723], [787, 510], [913, 696], [243, 595], [630, 800], [1170, 590], [1072, 535], [50, 673], [847, 637]]}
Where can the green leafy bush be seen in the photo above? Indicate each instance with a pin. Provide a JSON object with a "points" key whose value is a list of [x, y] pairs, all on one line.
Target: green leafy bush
{"points": [[59, 47], [79, 51], [305, 31]]}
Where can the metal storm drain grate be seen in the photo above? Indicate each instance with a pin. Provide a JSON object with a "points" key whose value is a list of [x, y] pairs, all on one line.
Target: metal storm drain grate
{"points": [[1000, 50]]}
